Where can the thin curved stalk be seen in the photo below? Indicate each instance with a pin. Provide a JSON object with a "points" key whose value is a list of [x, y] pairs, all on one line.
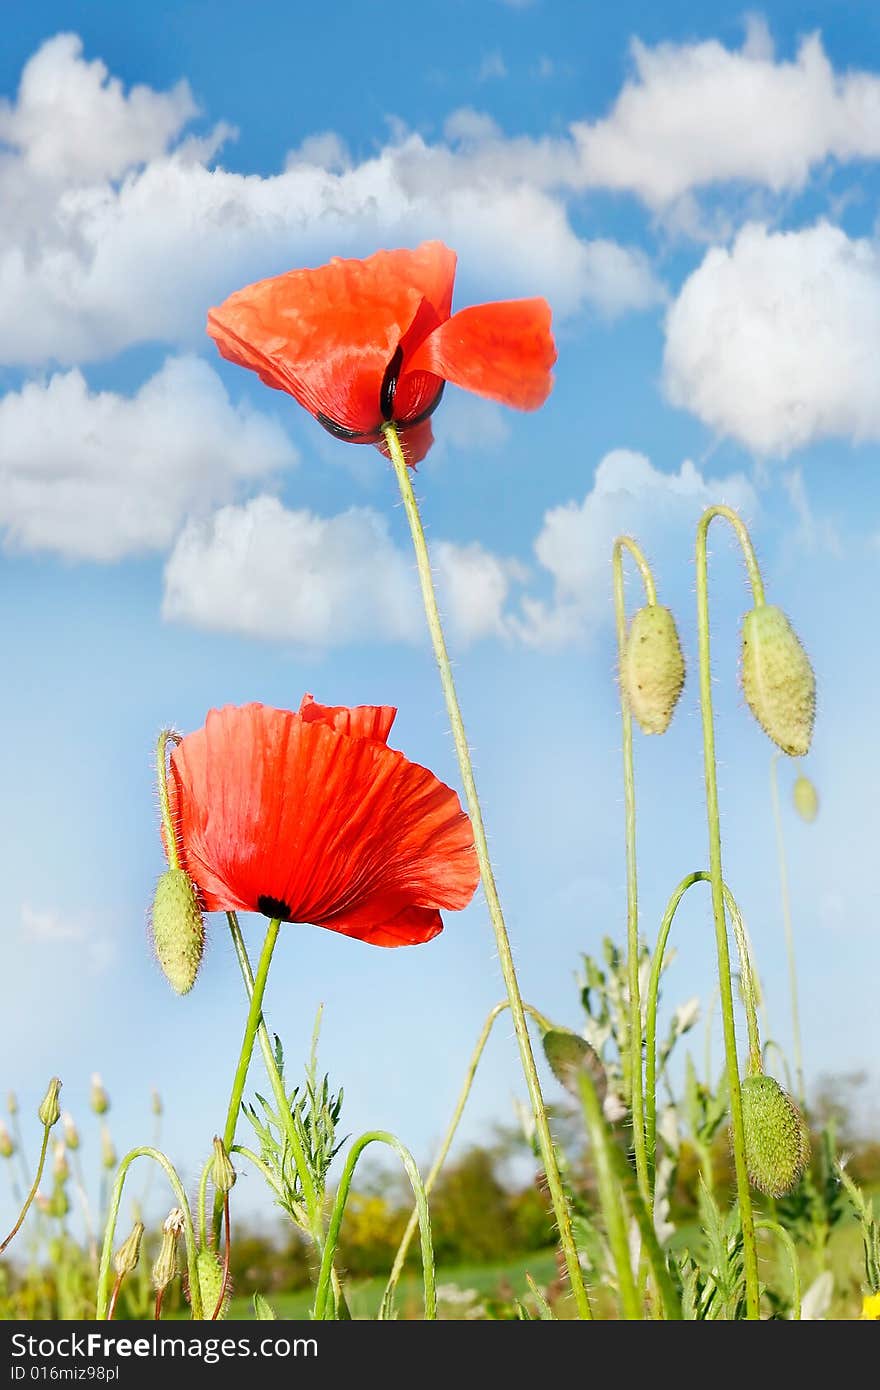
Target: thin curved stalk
{"points": [[791, 1251], [750, 1258], [788, 929], [406, 1239], [33, 1192], [633, 1072], [257, 1163], [104, 1271], [609, 1198], [336, 1215], [490, 889]]}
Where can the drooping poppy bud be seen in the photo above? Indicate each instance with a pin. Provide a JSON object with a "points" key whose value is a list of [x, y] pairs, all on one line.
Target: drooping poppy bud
{"points": [[568, 1054], [222, 1171], [126, 1258], [49, 1112], [806, 799], [776, 1136], [778, 680], [178, 929], [212, 1284], [99, 1099], [652, 668]]}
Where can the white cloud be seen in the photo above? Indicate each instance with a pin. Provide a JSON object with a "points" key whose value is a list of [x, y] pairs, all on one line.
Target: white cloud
{"points": [[698, 114], [574, 545], [96, 475], [48, 927], [265, 571], [776, 340], [116, 231], [493, 66]]}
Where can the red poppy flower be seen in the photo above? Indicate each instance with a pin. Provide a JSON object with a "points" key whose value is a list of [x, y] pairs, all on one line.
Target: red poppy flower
{"points": [[311, 817], [361, 343]]}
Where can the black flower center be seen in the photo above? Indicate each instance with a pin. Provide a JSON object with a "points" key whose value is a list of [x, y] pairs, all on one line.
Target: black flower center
{"points": [[386, 408], [274, 907]]}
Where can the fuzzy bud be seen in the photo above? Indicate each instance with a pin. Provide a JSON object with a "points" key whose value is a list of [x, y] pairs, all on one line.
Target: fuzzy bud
{"points": [[568, 1055], [108, 1149], [778, 680], [222, 1171], [211, 1284], [49, 1112], [71, 1133], [806, 799], [652, 668], [776, 1136], [99, 1099], [126, 1258], [7, 1148], [178, 929], [165, 1267]]}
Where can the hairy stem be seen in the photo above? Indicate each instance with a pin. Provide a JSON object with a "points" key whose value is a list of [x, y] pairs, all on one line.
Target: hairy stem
{"points": [[33, 1192], [493, 902], [788, 929]]}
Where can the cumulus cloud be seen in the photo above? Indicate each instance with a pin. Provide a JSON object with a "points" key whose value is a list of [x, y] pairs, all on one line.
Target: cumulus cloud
{"points": [[42, 926], [117, 231], [775, 341], [575, 540], [262, 570], [696, 114], [97, 475]]}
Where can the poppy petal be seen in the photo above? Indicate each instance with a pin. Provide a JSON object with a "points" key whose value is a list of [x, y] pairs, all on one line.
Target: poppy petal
{"points": [[364, 721], [284, 815], [503, 351], [410, 927]]}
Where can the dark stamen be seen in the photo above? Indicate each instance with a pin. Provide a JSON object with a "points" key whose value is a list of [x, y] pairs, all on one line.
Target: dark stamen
{"points": [[389, 384], [274, 907], [342, 431]]}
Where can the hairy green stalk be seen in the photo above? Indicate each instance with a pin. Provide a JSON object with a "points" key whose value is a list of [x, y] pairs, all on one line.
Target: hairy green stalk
{"points": [[750, 1257], [785, 1239], [33, 1192], [613, 1212], [788, 929], [493, 901], [105, 1270], [342, 1193], [633, 1073]]}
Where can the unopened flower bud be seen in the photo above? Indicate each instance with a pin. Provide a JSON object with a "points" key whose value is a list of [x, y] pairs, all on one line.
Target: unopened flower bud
{"points": [[60, 1166], [99, 1099], [108, 1149], [178, 929], [12, 1103], [71, 1133], [778, 680], [165, 1267], [50, 1112], [806, 799], [7, 1148], [222, 1170], [211, 1284], [776, 1136], [652, 668], [41, 1201], [126, 1258], [568, 1055], [156, 1102], [59, 1202]]}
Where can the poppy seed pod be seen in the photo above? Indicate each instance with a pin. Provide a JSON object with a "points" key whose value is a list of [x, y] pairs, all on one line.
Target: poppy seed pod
{"points": [[211, 1284], [126, 1258], [178, 929], [568, 1054], [49, 1112], [776, 1136], [778, 680], [806, 799], [652, 668]]}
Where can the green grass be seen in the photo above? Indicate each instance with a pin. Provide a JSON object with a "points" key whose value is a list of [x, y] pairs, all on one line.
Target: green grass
{"points": [[491, 1280]]}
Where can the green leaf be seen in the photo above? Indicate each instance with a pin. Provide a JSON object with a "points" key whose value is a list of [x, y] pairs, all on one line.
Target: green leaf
{"points": [[262, 1311]]}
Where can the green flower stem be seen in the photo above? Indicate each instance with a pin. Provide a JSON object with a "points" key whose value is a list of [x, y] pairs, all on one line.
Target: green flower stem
{"points": [[254, 1019], [669, 1300], [782, 1235], [493, 902], [258, 1164], [203, 1203], [750, 1258], [255, 993], [633, 1077], [104, 1272], [33, 1192], [342, 1192], [613, 1212], [167, 736], [788, 929], [653, 994], [406, 1239]]}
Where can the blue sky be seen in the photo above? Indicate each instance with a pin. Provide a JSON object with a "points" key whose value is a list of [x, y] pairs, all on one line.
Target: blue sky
{"points": [[698, 199]]}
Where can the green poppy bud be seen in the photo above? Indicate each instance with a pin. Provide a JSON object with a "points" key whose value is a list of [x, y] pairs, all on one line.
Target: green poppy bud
{"points": [[50, 1112], [776, 1136], [778, 680], [99, 1099], [178, 929], [59, 1202], [568, 1054], [126, 1258], [652, 668], [806, 799], [211, 1284]]}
